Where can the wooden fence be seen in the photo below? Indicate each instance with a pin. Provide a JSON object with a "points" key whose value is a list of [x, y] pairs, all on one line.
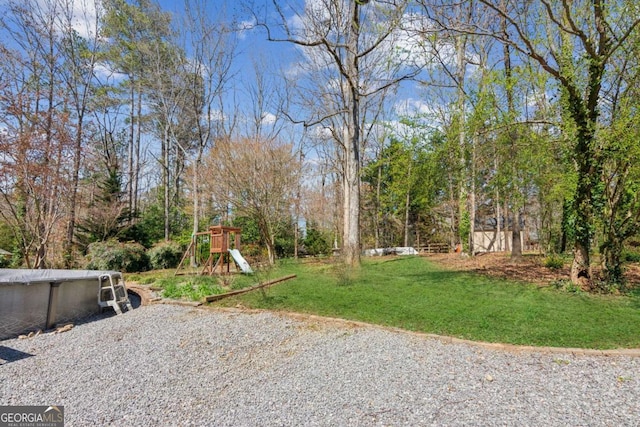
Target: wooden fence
{"points": [[434, 248]]}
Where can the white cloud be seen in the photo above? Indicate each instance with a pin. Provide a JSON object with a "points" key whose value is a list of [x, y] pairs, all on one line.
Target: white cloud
{"points": [[412, 107], [295, 70], [244, 27], [407, 43], [296, 23], [424, 113], [407, 47], [85, 17], [310, 22], [106, 74], [537, 99], [215, 116], [320, 132], [81, 15], [268, 119]]}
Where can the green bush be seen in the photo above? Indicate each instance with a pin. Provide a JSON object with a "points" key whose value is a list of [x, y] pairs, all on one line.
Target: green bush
{"points": [[631, 255], [165, 255], [554, 262], [112, 255], [566, 286], [5, 262], [317, 243]]}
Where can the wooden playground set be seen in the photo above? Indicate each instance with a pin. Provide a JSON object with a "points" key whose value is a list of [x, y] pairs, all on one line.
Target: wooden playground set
{"points": [[223, 254], [224, 247]]}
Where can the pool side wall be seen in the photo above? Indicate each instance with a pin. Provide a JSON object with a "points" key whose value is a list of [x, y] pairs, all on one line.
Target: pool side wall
{"points": [[41, 306]]}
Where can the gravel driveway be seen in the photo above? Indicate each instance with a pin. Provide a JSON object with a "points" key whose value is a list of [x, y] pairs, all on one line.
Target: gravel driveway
{"points": [[164, 365]]}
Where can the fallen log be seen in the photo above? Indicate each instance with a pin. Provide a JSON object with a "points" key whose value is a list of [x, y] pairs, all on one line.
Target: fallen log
{"points": [[212, 298]]}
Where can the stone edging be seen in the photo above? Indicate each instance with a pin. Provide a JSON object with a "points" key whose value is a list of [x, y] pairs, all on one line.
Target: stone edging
{"points": [[145, 294]]}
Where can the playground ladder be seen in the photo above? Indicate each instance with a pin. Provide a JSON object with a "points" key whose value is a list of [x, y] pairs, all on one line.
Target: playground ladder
{"points": [[113, 294]]}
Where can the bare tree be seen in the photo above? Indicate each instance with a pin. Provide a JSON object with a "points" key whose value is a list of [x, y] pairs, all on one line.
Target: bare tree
{"points": [[80, 52], [256, 178], [36, 138], [213, 48], [348, 50]]}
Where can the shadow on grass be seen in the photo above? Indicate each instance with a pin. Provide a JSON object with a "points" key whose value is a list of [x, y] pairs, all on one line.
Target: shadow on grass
{"points": [[386, 261]]}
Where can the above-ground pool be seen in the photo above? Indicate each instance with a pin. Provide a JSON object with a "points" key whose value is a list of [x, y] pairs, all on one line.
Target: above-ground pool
{"points": [[32, 300]]}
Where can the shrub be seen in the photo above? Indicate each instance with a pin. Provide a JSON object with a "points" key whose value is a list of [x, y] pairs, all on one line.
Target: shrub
{"points": [[5, 262], [112, 255], [554, 262], [165, 255], [631, 255], [253, 250], [317, 243], [566, 286]]}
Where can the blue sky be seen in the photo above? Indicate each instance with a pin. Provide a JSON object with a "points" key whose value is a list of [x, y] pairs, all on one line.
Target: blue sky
{"points": [[279, 58], [253, 46]]}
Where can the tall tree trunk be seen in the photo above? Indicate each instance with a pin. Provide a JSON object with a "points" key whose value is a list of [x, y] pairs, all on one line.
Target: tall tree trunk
{"points": [[407, 204], [453, 233], [297, 205], [516, 238], [269, 238], [130, 161], [378, 219], [195, 188], [166, 180], [351, 177], [581, 267], [589, 174], [136, 174], [507, 241], [461, 42], [351, 204], [271, 251], [71, 224], [498, 213], [566, 206], [516, 243], [611, 252], [472, 198], [49, 179]]}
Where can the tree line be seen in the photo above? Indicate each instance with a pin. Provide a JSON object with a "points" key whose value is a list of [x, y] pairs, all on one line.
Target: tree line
{"points": [[397, 123]]}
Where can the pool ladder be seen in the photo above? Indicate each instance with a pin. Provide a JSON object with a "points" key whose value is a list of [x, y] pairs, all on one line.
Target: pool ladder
{"points": [[113, 294]]}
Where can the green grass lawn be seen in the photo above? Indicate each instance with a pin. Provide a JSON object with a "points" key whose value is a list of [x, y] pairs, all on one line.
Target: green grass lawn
{"points": [[414, 294]]}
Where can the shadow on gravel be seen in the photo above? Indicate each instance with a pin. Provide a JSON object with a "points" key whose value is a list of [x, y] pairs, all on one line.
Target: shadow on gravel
{"points": [[108, 312], [135, 299], [8, 355]]}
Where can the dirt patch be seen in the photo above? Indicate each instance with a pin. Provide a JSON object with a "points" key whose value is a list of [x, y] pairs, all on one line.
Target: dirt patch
{"points": [[530, 268]]}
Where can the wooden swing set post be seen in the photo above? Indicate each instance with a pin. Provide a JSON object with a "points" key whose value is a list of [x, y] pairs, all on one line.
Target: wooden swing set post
{"points": [[192, 251]]}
